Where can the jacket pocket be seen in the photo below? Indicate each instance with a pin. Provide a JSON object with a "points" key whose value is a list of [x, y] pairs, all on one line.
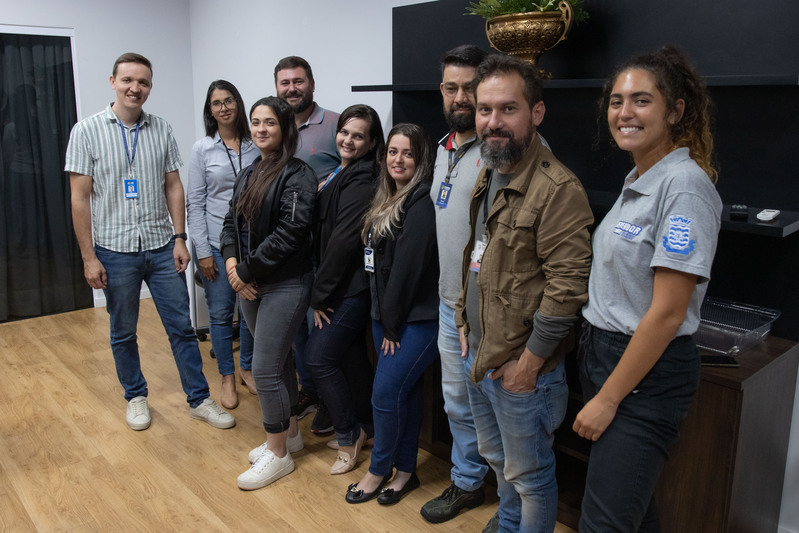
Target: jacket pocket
{"points": [[515, 234], [515, 319]]}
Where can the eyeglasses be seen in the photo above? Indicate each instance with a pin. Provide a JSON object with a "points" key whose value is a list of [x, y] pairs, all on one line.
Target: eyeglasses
{"points": [[229, 103]]}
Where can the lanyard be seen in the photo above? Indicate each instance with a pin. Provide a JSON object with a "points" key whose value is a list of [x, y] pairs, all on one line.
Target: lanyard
{"points": [[129, 158], [330, 177], [454, 158], [227, 151]]}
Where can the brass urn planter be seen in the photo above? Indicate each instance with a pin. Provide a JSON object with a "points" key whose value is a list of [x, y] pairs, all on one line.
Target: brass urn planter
{"points": [[528, 35]]}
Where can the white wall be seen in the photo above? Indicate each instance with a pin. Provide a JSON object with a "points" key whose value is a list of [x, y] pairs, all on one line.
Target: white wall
{"points": [[347, 43]]}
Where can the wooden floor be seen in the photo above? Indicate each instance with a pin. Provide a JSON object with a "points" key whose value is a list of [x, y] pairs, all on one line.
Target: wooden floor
{"points": [[68, 461]]}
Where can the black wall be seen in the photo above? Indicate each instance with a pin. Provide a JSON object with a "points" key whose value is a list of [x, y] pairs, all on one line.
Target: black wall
{"points": [[749, 54]]}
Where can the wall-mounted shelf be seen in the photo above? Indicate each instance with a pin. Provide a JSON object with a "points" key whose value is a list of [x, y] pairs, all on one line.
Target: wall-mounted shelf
{"points": [[782, 226], [712, 81]]}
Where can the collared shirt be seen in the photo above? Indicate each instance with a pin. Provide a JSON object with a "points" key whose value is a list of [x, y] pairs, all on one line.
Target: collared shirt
{"points": [[210, 187], [668, 217], [452, 222], [96, 148], [317, 143]]}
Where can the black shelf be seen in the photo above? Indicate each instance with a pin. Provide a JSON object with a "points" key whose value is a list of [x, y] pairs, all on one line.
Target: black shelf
{"points": [[782, 226], [712, 81]]}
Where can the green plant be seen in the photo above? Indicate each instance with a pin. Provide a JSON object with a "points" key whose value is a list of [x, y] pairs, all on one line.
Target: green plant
{"points": [[493, 8]]}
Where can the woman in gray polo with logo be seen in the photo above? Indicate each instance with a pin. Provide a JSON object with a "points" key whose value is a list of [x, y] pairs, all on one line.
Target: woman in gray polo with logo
{"points": [[639, 366]]}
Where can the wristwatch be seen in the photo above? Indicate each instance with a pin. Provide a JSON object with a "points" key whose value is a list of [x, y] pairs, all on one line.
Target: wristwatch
{"points": [[180, 236]]}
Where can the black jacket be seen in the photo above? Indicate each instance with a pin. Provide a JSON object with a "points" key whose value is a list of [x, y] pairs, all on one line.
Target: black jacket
{"points": [[340, 208], [280, 238], [406, 267]]}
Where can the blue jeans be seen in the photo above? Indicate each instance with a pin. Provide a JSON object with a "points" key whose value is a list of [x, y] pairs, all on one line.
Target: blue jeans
{"points": [[274, 318], [468, 467], [126, 272], [627, 460], [300, 341], [221, 300], [515, 432], [336, 358], [397, 396]]}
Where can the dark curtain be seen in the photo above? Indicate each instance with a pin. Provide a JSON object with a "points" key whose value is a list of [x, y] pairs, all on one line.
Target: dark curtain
{"points": [[41, 271]]}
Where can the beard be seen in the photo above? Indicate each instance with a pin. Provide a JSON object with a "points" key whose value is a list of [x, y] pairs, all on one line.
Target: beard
{"points": [[460, 122], [497, 156], [302, 105]]}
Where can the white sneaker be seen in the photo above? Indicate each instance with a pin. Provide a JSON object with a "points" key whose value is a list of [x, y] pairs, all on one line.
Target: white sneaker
{"points": [[138, 415], [210, 412], [293, 445], [267, 469]]}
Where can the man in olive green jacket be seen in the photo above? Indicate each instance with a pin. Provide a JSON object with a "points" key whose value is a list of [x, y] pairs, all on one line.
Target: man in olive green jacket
{"points": [[525, 275]]}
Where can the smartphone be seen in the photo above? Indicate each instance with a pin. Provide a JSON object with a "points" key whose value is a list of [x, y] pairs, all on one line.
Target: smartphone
{"points": [[719, 360]]}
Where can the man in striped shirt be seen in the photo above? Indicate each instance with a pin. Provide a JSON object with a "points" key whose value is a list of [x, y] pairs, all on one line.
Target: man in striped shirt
{"points": [[128, 214]]}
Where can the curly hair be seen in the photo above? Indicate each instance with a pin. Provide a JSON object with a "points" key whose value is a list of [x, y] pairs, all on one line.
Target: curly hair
{"points": [[676, 78]]}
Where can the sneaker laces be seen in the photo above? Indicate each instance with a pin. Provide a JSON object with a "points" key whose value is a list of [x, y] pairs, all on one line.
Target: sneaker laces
{"points": [[451, 493], [138, 407], [263, 460], [214, 408]]}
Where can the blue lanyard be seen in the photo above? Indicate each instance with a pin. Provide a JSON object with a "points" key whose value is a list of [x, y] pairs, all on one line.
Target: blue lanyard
{"points": [[330, 178], [130, 158]]}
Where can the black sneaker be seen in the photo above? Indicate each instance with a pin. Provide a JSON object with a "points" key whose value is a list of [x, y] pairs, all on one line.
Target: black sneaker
{"points": [[322, 424], [493, 525], [306, 403], [449, 504]]}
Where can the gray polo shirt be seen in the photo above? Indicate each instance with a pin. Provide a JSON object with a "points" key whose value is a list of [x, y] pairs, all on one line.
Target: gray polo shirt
{"points": [[452, 221], [317, 143], [96, 148], [668, 217]]}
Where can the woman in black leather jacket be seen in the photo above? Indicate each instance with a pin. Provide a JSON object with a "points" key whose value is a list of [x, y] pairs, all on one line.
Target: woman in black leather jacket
{"points": [[266, 243], [401, 256], [336, 353]]}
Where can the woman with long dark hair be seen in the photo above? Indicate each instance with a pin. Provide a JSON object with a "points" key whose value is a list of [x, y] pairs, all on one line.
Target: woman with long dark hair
{"points": [[266, 243], [401, 257], [336, 353], [653, 251], [215, 160]]}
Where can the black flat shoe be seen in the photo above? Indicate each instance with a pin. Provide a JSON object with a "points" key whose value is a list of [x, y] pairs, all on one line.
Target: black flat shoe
{"points": [[356, 495], [391, 496]]}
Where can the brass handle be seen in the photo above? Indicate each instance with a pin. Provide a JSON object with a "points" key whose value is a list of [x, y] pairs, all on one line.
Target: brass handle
{"points": [[567, 17]]}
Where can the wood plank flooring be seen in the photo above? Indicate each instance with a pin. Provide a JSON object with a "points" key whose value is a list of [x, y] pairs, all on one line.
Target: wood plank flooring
{"points": [[68, 461]]}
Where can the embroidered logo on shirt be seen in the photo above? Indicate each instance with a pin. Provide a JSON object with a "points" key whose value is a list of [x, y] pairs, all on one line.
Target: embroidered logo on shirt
{"points": [[678, 240], [627, 230]]}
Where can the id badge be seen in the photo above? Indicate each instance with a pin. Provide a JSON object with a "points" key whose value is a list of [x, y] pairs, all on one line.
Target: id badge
{"points": [[131, 188], [443, 194], [369, 259], [477, 254]]}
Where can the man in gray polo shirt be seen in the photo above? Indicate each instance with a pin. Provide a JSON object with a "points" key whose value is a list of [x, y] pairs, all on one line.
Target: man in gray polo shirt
{"points": [[457, 165], [128, 214], [295, 84]]}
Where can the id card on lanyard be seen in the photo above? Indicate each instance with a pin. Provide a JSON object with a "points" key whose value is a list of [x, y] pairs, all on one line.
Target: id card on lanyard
{"points": [[131, 184], [369, 255], [452, 161]]}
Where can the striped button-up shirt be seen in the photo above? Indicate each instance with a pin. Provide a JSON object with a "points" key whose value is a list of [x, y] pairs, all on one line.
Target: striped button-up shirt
{"points": [[97, 149]]}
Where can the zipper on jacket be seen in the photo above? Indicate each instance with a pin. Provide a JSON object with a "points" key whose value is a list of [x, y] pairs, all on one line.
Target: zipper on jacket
{"points": [[294, 206]]}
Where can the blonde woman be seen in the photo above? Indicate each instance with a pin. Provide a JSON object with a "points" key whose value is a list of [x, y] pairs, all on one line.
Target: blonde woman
{"points": [[401, 258]]}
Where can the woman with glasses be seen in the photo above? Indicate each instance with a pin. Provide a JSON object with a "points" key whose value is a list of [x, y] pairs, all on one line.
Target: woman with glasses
{"points": [[401, 258], [266, 243], [336, 352], [215, 160]]}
